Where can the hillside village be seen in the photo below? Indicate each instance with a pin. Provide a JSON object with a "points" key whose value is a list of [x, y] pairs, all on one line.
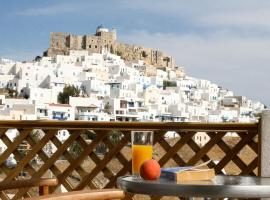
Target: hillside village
{"points": [[114, 89], [110, 88]]}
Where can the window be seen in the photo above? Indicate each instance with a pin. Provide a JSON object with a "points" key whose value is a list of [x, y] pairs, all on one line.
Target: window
{"points": [[89, 46], [95, 46]]}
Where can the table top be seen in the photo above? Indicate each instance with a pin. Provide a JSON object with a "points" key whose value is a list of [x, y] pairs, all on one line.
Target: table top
{"points": [[220, 186]]}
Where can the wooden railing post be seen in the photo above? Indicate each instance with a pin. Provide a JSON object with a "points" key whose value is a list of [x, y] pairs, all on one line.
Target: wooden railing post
{"points": [[265, 144]]}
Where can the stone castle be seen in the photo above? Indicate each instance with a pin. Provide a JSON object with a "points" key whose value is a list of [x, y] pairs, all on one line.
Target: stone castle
{"points": [[103, 39]]}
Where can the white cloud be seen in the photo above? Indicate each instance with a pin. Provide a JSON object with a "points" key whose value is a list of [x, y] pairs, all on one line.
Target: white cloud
{"points": [[238, 19], [236, 63], [53, 9], [223, 14]]}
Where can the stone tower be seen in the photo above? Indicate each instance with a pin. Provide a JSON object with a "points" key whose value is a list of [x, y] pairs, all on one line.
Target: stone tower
{"points": [[61, 43]]}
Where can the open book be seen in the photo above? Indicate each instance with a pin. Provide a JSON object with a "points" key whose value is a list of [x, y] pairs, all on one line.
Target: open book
{"points": [[188, 173]]}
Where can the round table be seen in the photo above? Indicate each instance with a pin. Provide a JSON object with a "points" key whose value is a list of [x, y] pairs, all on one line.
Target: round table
{"points": [[220, 187]]}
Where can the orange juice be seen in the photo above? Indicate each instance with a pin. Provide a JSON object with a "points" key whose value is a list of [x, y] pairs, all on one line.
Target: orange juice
{"points": [[140, 153]]}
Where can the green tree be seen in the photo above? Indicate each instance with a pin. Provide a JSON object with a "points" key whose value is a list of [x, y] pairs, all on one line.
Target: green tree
{"points": [[12, 93], [119, 53], [107, 108], [68, 91], [169, 84]]}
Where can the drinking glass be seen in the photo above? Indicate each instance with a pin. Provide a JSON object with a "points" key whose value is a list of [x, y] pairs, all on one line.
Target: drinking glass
{"points": [[142, 149]]}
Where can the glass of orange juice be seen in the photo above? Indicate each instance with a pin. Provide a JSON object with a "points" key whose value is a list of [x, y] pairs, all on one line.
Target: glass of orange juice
{"points": [[142, 149]]}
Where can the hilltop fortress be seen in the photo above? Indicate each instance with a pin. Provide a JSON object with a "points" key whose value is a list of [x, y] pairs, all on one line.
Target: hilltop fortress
{"points": [[103, 39]]}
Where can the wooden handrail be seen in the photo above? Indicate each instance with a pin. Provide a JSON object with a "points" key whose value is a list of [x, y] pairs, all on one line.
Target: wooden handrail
{"points": [[49, 124], [102, 194]]}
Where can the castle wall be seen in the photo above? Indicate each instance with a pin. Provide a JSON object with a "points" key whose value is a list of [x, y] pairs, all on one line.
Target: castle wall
{"points": [[61, 43], [59, 40]]}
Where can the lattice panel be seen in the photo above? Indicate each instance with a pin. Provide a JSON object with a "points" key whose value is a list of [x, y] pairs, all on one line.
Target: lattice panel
{"points": [[95, 158]]}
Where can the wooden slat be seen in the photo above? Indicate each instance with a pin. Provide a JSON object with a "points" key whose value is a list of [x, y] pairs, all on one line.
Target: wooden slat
{"points": [[249, 169], [30, 155], [54, 168], [228, 157], [3, 132], [167, 147], [207, 147], [42, 155], [14, 184], [92, 155], [122, 172], [17, 156], [173, 150], [50, 161], [103, 163], [120, 157], [18, 140], [104, 194], [3, 196], [70, 159], [86, 151]]}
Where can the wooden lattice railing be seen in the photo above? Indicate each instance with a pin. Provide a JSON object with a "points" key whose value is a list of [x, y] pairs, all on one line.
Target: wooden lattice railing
{"points": [[96, 153]]}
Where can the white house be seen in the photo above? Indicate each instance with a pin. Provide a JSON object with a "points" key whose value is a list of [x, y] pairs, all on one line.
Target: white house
{"points": [[61, 112]]}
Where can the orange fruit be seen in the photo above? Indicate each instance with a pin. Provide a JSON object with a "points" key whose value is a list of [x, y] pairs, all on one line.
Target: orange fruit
{"points": [[150, 170]]}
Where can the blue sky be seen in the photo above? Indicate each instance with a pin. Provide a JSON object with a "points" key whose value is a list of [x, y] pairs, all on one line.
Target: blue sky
{"points": [[225, 41]]}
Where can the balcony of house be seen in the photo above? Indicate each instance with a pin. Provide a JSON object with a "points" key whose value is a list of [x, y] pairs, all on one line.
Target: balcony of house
{"points": [[59, 115], [126, 115], [86, 116], [95, 154], [132, 111], [168, 117], [89, 113]]}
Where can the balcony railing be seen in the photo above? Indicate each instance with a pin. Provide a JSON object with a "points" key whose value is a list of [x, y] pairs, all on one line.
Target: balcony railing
{"points": [[96, 153]]}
